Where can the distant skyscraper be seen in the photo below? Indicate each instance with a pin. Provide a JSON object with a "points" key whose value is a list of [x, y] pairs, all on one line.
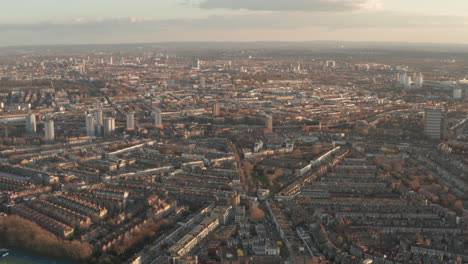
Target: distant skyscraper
{"points": [[130, 121], [157, 117], [298, 69], [49, 129], [109, 126], [269, 122], [407, 81], [90, 126], [111, 61], [31, 123], [216, 109], [419, 80]]}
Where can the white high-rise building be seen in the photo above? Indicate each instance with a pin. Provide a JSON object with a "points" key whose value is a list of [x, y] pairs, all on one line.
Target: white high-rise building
{"points": [[90, 126], [49, 129], [299, 67], [419, 80], [31, 123], [157, 117], [130, 121], [109, 126], [407, 82]]}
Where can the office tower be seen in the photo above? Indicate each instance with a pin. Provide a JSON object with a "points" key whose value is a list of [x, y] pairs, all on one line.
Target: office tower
{"points": [[49, 129], [31, 123], [419, 80], [216, 109], [130, 121], [269, 122], [457, 93], [98, 122], [90, 126], [111, 61], [434, 123], [109, 126], [157, 117]]}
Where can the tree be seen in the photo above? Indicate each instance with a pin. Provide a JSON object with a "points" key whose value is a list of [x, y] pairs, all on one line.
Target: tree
{"points": [[340, 240], [418, 238], [256, 213], [40, 241], [414, 184], [458, 205]]}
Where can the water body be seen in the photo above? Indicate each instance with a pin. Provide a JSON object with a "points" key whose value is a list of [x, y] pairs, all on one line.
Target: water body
{"points": [[15, 257]]}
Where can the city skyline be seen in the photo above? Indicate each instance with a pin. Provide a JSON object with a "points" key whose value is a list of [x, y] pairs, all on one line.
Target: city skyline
{"points": [[29, 22]]}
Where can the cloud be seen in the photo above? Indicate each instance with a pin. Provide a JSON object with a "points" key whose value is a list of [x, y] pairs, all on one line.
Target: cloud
{"points": [[295, 5], [274, 25], [275, 20]]}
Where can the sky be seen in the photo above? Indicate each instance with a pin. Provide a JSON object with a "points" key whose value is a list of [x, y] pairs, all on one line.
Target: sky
{"points": [[39, 22]]}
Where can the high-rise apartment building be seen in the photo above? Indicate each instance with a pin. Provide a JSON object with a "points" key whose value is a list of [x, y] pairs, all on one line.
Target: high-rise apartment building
{"points": [[157, 117], [31, 123], [419, 81], [109, 126], [49, 129], [130, 121], [435, 123], [98, 118], [90, 126]]}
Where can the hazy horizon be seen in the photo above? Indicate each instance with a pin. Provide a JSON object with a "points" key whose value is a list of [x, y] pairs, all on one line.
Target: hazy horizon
{"points": [[50, 22]]}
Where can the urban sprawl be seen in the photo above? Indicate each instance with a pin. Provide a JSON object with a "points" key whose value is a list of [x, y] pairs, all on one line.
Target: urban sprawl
{"points": [[178, 154]]}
